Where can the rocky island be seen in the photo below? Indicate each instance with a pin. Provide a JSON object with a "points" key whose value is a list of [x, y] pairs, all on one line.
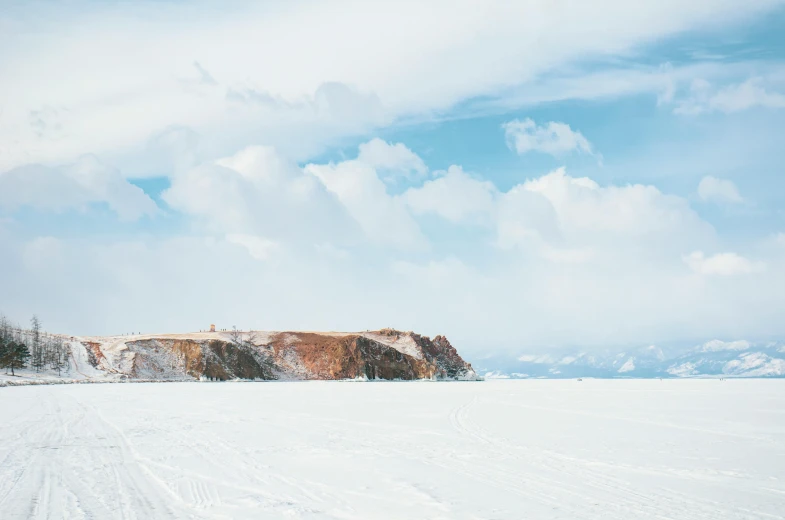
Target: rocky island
{"points": [[385, 354]]}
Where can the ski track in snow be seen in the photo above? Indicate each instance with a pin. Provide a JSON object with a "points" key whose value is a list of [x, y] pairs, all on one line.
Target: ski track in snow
{"points": [[620, 449]]}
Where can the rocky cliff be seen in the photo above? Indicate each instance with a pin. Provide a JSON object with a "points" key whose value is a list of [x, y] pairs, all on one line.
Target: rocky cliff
{"points": [[384, 354]]}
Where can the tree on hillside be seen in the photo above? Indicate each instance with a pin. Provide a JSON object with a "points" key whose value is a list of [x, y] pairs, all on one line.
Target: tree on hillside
{"points": [[6, 338], [59, 357], [18, 355], [250, 340], [236, 336], [5, 351], [37, 348], [44, 351]]}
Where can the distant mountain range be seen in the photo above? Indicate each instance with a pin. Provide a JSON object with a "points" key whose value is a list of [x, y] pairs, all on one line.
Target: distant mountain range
{"points": [[712, 359]]}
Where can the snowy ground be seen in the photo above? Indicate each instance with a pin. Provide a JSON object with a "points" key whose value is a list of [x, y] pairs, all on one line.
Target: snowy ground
{"points": [[624, 449]]}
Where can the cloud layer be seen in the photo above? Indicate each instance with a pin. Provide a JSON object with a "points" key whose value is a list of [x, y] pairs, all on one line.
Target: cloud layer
{"points": [[231, 71], [554, 258]]}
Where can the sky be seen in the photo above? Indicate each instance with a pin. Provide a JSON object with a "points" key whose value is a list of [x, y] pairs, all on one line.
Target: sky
{"points": [[513, 175]]}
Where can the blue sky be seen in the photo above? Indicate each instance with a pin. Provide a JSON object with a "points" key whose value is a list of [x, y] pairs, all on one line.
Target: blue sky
{"points": [[511, 175]]}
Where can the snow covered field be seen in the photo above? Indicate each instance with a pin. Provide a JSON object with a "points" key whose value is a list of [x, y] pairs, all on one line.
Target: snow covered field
{"points": [[623, 449]]}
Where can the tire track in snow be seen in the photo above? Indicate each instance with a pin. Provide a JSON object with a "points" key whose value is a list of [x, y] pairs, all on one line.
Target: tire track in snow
{"points": [[654, 503], [140, 492], [58, 469], [460, 418]]}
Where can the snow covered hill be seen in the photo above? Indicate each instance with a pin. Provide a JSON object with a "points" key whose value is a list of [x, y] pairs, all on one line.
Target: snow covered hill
{"points": [[257, 355], [714, 358]]}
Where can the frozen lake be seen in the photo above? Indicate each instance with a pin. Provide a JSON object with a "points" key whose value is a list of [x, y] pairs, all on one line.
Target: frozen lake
{"points": [[623, 449]]}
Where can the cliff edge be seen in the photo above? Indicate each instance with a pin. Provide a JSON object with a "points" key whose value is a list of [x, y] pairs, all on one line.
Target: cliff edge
{"points": [[385, 354]]}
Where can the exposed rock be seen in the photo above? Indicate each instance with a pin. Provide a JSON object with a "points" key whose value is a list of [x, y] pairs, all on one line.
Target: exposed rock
{"points": [[385, 354], [94, 353]]}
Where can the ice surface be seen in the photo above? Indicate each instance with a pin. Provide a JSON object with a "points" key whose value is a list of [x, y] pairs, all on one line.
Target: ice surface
{"points": [[611, 449]]}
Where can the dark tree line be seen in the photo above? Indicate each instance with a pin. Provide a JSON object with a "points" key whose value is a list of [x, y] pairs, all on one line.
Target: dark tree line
{"points": [[20, 348]]}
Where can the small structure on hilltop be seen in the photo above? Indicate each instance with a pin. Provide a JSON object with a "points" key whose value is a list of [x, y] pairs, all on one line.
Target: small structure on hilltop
{"points": [[212, 328]]}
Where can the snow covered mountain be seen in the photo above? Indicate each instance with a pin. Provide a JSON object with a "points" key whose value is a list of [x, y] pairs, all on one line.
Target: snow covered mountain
{"points": [[383, 354], [713, 358]]}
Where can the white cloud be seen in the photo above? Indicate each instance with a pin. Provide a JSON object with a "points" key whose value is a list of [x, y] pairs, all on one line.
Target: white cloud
{"points": [[524, 217], [257, 192], [454, 195], [42, 252], [296, 93], [712, 189], [558, 260], [731, 98], [258, 247], [664, 82], [721, 264], [553, 138], [393, 161], [576, 223], [435, 272], [75, 186], [557, 206], [567, 255], [384, 218], [328, 250]]}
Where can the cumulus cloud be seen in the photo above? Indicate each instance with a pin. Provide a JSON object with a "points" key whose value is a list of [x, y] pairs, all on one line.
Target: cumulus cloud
{"points": [[553, 138], [76, 186], [581, 206], [704, 97], [257, 192], [526, 218], [392, 161], [712, 189], [721, 264], [454, 195], [568, 220], [328, 246], [258, 247], [384, 218]]}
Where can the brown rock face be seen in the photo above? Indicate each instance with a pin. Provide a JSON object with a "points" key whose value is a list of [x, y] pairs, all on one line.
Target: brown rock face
{"points": [[94, 353], [211, 359], [349, 357], [449, 364], [386, 354]]}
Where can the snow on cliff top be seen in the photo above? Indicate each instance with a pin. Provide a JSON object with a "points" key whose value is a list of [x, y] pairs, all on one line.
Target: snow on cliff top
{"points": [[403, 343]]}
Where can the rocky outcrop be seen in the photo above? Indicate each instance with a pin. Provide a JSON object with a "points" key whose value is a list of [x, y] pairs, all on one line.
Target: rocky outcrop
{"points": [[210, 359], [386, 354]]}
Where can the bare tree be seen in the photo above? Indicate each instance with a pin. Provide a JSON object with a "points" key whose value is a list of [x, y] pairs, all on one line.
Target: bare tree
{"points": [[250, 339], [236, 336], [5, 342], [36, 347], [19, 356], [59, 359], [44, 351]]}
